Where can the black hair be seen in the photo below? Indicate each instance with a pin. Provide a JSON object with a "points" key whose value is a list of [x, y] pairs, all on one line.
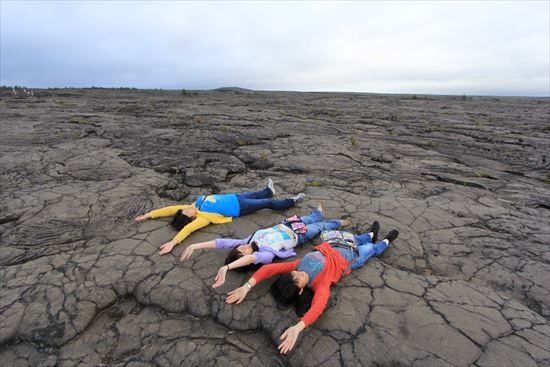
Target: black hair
{"points": [[287, 293], [235, 255], [180, 220]]}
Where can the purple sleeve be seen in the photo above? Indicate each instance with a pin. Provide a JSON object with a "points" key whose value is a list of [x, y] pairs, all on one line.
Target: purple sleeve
{"points": [[230, 242], [263, 257], [285, 254]]}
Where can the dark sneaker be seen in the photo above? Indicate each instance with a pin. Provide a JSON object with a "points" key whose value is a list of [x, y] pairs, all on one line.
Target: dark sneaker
{"points": [[375, 228], [392, 235]]}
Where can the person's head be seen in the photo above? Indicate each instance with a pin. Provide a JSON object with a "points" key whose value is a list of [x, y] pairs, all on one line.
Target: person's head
{"points": [[290, 289], [183, 217], [240, 251]]}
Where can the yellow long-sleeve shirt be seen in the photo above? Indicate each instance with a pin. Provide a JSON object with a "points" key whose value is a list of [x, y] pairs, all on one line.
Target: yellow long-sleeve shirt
{"points": [[201, 220]]}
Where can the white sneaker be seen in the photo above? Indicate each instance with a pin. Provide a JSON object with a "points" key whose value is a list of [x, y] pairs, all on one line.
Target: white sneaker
{"points": [[270, 186], [300, 197]]}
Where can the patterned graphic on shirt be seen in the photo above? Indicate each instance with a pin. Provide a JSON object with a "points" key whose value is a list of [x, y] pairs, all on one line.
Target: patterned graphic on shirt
{"points": [[312, 264], [275, 237]]}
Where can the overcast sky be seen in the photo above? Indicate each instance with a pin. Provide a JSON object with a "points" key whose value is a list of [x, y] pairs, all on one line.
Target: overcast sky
{"points": [[462, 47]]}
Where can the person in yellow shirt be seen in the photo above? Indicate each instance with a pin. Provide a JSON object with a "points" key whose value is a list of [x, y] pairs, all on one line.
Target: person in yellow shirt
{"points": [[217, 209]]}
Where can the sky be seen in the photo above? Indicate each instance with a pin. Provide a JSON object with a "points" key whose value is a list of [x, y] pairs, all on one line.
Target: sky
{"points": [[453, 47]]}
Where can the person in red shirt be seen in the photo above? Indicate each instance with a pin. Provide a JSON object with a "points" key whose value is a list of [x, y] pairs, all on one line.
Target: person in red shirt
{"points": [[305, 283]]}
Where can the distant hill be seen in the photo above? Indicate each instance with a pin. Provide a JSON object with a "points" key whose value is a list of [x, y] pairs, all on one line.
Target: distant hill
{"points": [[233, 89]]}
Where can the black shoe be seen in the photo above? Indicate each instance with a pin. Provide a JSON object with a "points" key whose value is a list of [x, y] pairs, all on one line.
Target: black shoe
{"points": [[375, 228], [392, 235]]}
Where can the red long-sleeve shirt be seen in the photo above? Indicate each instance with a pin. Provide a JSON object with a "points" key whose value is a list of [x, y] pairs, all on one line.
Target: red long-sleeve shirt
{"points": [[335, 265]]}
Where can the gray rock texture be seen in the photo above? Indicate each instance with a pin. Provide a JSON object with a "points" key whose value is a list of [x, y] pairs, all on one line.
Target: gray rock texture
{"points": [[466, 180]]}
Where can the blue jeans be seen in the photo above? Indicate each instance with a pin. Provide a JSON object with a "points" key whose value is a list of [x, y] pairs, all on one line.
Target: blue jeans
{"points": [[250, 202], [367, 249], [315, 226]]}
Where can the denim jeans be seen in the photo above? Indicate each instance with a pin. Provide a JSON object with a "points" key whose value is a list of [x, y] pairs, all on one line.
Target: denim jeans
{"points": [[250, 202], [367, 249], [315, 225]]}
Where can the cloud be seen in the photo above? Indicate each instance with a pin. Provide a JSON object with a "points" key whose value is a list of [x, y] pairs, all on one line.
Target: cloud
{"points": [[394, 47]]}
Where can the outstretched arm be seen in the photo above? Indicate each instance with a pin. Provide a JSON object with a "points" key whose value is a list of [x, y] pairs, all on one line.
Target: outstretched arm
{"points": [[265, 272], [239, 263], [186, 231], [168, 210], [196, 246], [141, 218], [318, 304], [162, 212], [240, 293]]}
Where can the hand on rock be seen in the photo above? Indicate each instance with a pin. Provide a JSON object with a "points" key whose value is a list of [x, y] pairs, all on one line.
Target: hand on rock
{"points": [[237, 295], [289, 338], [167, 247], [141, 218], [220, 277], [187, 253]]}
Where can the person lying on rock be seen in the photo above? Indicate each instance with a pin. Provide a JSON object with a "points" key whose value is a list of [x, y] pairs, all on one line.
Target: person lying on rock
{"points": [[305, 283], [217, 209], [265, 244]]}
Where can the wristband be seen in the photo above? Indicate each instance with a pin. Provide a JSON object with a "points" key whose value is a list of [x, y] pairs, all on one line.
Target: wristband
{"points": [[228, 267], [248, 285]]}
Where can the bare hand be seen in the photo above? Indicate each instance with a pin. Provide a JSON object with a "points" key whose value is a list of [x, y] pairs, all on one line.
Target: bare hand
{"points": [[141, 218], [167, 247], [187, 253], [220, 277], [289, 338], [237, 295]]}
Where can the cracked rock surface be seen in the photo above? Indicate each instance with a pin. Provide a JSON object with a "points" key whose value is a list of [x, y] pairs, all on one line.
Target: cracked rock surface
{"points": [[466, 180]]}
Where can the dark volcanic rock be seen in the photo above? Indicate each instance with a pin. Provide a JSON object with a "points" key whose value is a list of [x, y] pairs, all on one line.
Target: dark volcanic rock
{"points": [[465, 180], [261, 164]]}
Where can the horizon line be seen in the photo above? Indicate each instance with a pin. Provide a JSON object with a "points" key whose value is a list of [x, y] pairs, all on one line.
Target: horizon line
{"points": [[244, 90]]}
